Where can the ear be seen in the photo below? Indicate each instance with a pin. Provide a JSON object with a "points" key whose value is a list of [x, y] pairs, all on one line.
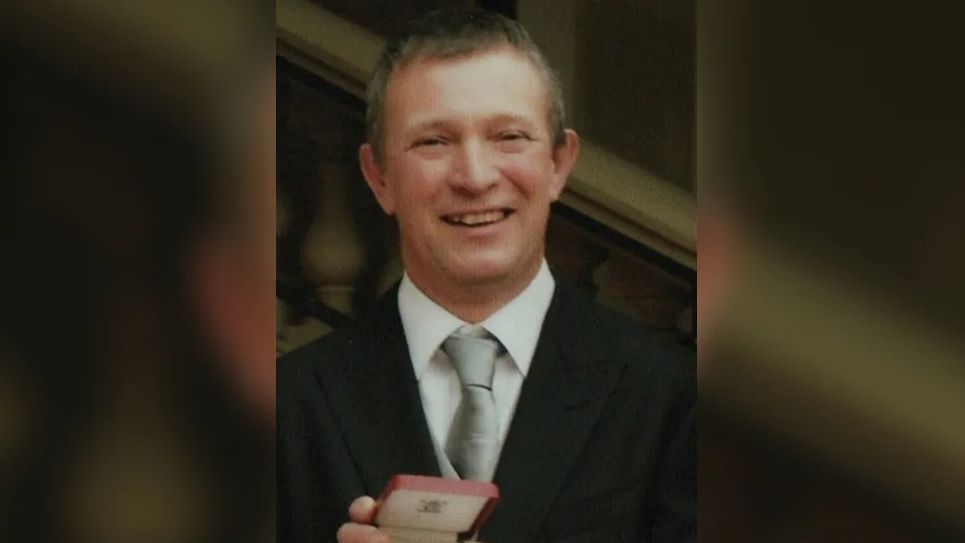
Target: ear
{"points": [[375, 177], [564, 159]]}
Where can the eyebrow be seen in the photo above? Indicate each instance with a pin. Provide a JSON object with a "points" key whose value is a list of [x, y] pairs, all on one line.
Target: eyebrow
{"points": [[446, 124], [429, 125], [510, 117]]}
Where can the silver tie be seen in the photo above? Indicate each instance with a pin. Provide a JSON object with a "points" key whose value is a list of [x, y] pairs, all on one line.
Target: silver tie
{"points": [[473, 438]]}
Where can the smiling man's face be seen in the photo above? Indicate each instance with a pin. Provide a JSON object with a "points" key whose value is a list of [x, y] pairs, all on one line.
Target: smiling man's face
{"points": [[469, 169]]}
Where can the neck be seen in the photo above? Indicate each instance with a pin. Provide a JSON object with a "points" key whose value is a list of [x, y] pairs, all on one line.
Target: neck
{"points": [[474, 302]]}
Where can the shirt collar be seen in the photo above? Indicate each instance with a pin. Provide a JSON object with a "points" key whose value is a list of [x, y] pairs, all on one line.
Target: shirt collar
{"points": [[516, 325]]}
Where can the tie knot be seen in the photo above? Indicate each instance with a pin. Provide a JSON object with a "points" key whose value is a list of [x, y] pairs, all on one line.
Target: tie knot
{"points": [[472, 350]]}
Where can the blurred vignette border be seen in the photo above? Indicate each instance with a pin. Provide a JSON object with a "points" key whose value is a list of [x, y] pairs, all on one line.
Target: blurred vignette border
{"points": [[830, 279], [139, 180], [832, 382]]}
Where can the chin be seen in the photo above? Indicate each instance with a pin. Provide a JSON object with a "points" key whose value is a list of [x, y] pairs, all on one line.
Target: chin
{"points": [[492, 270], [481, 275]]}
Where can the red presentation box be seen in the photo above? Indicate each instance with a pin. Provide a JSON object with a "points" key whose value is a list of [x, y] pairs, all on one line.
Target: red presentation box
{"points": [[420, 509]]}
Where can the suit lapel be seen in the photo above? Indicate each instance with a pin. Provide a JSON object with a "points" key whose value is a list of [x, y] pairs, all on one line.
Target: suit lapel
{"points": [[375, 400], [568, 383]]}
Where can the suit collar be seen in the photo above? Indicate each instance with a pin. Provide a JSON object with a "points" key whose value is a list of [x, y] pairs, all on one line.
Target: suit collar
{"points": [[375, 400], [571, 377]]}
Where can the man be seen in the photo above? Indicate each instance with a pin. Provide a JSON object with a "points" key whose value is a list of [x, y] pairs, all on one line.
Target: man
{"points": [[587, 421]]}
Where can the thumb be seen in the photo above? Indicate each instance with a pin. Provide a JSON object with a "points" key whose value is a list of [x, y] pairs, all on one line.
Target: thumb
{"points": [[363, 510]]}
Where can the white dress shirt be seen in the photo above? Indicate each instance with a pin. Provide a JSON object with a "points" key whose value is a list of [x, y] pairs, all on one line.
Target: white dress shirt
{"points": [[516, 325]]}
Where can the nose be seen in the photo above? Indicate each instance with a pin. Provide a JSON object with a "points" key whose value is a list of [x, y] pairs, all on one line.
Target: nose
{"points": [[476, 171]]}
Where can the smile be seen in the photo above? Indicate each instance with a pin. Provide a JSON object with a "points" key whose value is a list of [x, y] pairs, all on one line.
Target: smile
{"points": [[477, 219]]}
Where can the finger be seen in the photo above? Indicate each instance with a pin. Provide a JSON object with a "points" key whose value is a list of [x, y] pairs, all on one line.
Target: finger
{"points": [[362, 510], [361, 533]]}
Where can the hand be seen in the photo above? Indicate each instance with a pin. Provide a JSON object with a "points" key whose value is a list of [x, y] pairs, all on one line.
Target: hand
{"points": [[360, 530]]}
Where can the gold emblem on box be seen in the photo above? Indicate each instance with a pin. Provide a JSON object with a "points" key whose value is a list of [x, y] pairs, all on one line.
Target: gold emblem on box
{"points": [[431, 506]]}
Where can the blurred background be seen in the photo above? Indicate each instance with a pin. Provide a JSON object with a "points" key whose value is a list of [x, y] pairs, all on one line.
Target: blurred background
{"points": [[832, 362], [150, 247], [136, 383]]}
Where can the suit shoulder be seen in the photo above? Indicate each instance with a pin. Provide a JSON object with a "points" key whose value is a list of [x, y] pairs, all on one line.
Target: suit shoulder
{"points": [[293, 367], [630, 340]]}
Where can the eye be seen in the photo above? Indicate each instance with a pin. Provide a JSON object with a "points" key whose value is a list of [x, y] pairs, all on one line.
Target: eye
{"points": [[513, 135], [430, 141], [512, 141]]}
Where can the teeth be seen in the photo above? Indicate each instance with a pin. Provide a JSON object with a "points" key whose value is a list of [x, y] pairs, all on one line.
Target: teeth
{"points": [[475, 219]]}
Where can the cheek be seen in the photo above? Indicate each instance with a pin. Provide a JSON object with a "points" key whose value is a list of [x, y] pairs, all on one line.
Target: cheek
{"points": [[418, 184], [527, 180], [529, 177], [414, 208]]}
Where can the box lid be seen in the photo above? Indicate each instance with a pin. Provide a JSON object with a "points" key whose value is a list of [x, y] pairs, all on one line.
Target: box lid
{"points": [[447, 509]]}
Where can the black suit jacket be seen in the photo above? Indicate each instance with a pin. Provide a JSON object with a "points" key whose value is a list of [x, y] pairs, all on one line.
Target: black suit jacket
{"points": [[602, 447]]}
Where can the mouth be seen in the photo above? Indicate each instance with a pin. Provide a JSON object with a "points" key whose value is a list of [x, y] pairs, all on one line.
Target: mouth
{"points": [[478, 219]]}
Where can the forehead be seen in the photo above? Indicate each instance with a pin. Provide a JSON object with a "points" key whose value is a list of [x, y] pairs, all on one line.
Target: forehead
{"points": [[491, 83]]}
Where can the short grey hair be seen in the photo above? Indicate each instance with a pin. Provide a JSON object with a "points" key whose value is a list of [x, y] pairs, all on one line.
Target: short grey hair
{"points": [[453, 33]]}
